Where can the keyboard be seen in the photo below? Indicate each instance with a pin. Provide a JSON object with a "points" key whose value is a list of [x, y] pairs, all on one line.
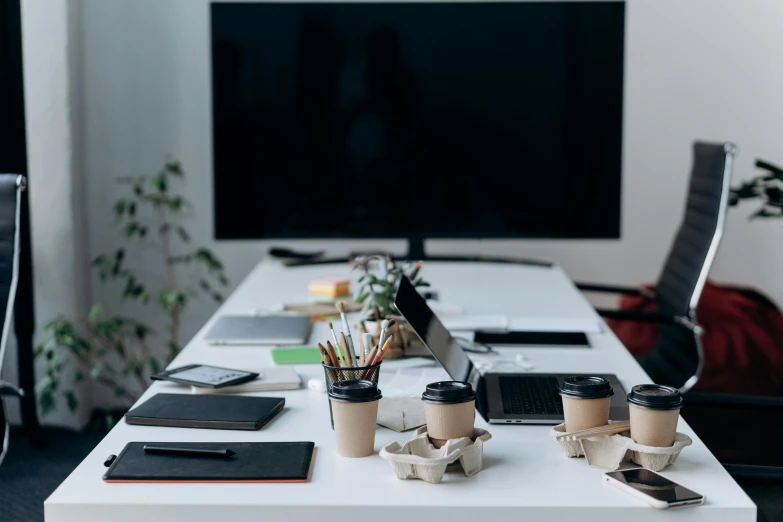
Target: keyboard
{"points": [[530, 395]]}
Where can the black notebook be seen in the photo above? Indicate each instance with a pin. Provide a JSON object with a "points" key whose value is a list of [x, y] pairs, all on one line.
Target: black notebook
{"points": [[222, 412], [253, 462]]}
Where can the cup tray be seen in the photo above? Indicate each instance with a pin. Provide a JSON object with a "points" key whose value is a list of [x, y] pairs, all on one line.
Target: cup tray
{"points": [[607, 452], [419, 459]]}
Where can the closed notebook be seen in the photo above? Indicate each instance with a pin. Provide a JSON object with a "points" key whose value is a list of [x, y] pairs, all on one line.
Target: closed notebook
{"points": [[253, 462], [222, 412]]}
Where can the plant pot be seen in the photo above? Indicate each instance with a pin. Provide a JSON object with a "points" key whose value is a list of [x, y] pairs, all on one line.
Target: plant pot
{"points": [[404, 341]]}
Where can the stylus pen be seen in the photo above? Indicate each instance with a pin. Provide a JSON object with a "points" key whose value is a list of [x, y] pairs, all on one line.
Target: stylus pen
{"points": [[188, 452]]}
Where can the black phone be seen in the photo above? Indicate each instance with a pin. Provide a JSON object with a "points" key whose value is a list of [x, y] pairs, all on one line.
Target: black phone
{"points": [[576, 339], [655, 489], [205, 376]]}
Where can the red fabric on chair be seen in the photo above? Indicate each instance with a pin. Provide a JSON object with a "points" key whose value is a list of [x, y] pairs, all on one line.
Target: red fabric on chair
{"points": [[742, 341]]}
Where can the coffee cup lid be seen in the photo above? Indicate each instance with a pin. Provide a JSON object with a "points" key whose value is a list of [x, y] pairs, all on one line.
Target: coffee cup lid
{"points": [[655, 397], [580, 387], [355, 391], [448, 392]]}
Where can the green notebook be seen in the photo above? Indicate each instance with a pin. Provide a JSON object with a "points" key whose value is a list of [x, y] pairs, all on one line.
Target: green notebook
{"points": [[297, 355]]}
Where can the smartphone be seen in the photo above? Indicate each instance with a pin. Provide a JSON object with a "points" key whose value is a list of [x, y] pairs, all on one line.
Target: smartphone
{"points": [[656, 490]]}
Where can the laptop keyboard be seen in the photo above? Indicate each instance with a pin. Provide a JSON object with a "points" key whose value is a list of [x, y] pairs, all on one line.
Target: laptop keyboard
{"points": [[530, 395]]}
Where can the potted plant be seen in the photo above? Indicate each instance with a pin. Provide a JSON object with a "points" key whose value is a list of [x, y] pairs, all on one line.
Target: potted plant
{"points": [[376, 292], [114, 351]]}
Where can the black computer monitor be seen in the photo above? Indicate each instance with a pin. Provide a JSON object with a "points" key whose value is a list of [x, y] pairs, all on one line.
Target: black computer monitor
{"points": [[417, 120]]}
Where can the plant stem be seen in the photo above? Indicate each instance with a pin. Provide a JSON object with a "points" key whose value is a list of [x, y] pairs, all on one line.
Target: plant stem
{"points": [[171, 280]]}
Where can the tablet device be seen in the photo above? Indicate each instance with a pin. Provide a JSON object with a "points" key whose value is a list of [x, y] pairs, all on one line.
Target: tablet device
{"points": [[205, 376], [575, 339]]}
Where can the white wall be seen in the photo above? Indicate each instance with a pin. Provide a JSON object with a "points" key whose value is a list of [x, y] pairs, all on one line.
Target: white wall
{"points": [[708, 69], [53, 114]]}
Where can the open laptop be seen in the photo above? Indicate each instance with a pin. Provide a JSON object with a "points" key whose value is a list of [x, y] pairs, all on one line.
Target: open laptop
{"points": [[503, 398]]}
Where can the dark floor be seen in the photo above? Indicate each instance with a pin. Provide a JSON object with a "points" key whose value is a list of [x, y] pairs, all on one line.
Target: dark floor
{"points": [[28, 476]]}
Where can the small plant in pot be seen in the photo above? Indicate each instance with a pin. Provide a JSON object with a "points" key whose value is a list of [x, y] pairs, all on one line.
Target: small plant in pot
{"points": [[376, 292]]}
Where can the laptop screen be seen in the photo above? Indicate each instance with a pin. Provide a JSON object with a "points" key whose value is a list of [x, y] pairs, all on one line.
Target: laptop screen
{"points": [[433, 334]]}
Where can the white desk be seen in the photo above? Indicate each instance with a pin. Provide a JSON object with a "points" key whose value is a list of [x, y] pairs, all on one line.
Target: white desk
{"points": [[526, 477]]}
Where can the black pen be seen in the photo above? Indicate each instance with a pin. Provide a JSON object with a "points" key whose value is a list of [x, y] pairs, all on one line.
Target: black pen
{"points": [[188, 452]]}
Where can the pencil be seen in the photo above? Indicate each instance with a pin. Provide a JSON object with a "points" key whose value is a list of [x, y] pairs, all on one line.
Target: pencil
{"points": [[333, 355], [347, 355], [379, 355]]}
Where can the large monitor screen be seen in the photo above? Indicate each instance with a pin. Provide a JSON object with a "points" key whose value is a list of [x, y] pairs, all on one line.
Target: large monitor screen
{"points": [[397, 119]]}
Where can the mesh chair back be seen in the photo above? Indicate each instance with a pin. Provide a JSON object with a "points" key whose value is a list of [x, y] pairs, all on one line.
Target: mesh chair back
{"points": [[677, 359]]}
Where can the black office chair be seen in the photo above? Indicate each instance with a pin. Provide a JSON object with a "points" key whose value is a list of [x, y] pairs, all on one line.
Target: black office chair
{"points": [[677, 359], [11, 187]]}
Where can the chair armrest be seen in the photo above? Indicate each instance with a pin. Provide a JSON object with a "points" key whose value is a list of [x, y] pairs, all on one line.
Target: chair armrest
{"points": [[6, 388], [609, 289], [639, 317]]}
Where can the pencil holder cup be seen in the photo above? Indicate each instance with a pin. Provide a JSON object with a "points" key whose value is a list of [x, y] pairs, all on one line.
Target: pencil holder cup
{"points": [[335, 374]]}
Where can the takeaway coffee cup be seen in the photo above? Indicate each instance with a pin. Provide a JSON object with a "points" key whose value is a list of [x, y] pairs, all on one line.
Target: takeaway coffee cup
{"points": [[655, 410], [355, 412], [586, 402], [450, 410]]}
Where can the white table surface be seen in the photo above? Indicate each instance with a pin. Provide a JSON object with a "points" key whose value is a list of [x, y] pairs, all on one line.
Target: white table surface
{"points": [[525, 475]]}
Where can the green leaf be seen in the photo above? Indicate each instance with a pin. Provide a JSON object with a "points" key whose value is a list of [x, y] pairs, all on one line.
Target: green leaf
{"points": [[208, 259], [160, 183], [217, 297], [223, 280], [183, 235], [78, 377], [138, 188], [132, 209], [142, 231], [174, 168], [141, 331], [130, 229], [119, 208], [72, 402], [47, 402], [96, 370], [176, 203], [172, 300], [94, 314]]}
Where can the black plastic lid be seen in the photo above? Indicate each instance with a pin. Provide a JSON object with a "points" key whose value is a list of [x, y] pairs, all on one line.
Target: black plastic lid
{"points": [[448, 392], [355, 391], [586, 388], [655, 397]]}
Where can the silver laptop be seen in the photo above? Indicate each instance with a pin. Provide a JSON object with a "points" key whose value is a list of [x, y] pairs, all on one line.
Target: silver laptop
{"points": [[503, 398], [259, 329]]}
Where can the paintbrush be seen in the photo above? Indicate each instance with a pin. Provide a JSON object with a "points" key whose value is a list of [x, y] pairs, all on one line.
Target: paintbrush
{"points": [[414, 272], [334, 354], [347, 352], [334, 335], [368, 362], [347, 331], [384, 328], [382, 352], [367, 338]]}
